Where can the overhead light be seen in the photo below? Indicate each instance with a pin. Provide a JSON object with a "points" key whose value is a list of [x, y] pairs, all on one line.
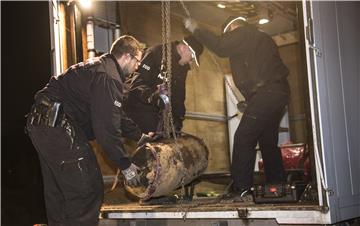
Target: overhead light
{"points": [[263, 21], [221, 6], [264, 16], [85, 3]]}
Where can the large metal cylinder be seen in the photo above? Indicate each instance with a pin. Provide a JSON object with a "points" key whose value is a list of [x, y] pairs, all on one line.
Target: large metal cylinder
{"points": [[167, 164]]}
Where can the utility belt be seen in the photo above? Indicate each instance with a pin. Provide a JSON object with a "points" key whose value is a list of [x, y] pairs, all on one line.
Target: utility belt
{"points": [[46, 112]]}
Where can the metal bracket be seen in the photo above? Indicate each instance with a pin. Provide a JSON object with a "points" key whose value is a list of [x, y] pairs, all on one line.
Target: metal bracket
{"points": [[325, 209], [310, 37], [317, 50], [330, 191], [242, 212], [309, 31]]}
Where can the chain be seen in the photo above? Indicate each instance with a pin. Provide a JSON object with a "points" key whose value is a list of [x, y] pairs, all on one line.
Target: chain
{"points": [[168, 118], [163, 34], [168, 123], [185, 9], [181, 200], [233, 92]]}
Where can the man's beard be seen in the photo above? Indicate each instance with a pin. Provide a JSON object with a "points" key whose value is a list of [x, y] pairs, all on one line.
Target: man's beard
{"points": [[127, 70]]}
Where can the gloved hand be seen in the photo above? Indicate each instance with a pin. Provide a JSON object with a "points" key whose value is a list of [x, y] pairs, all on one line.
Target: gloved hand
{"points": [[190, 24], [163, 89], [163, 98], [163, 101], [145, 138], [132, 175], [242, 105]]}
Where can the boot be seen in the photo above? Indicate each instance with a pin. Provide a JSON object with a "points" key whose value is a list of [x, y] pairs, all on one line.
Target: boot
{"points": [[237, 195]]}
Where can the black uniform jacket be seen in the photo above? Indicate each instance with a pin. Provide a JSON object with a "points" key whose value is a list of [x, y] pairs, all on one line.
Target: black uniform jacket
{"points": [[254, 58], [143, 95], [92, 95]]}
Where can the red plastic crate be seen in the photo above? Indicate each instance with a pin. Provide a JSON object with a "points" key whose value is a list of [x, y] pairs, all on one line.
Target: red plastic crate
{"points": [[293, 156]]}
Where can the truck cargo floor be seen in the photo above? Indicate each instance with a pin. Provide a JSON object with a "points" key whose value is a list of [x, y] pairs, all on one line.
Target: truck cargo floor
{"points": [[118, 201]]}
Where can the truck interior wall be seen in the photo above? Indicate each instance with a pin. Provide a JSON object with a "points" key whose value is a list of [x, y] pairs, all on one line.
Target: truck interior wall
{"points": [[204, 87], [204, 92], [290, 54]]}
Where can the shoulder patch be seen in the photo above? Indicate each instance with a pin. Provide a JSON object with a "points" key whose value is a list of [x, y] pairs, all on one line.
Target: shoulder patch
{"points": [[117, 103], [92, 62], [146, 67]]}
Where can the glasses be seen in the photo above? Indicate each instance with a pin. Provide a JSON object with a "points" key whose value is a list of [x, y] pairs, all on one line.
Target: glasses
{"points": [[134, 57]]}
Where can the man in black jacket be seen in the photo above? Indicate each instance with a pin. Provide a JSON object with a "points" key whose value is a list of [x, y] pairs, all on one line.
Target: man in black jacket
{"points": [[260, 75], [83, 103], [145, 100]]}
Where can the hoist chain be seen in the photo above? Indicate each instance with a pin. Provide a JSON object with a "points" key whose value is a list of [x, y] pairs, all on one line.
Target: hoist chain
{"points": [[166, 67], [163, 34], [168, 122], [185, 9]]}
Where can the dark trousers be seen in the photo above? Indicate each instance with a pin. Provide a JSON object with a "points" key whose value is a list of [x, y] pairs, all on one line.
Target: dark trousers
{"points": [[259, 124], [73, 185]]}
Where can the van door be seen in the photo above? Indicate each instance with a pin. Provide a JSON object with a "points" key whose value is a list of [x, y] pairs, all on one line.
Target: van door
{"points": [[333, 47]]}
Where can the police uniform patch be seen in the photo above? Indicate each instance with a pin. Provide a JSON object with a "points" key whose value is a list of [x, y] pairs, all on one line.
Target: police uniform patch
{"points": [[117, 103], [146, 67]]}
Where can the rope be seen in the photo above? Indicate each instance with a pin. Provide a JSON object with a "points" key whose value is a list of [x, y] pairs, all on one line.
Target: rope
{"points": [[116, 181]]}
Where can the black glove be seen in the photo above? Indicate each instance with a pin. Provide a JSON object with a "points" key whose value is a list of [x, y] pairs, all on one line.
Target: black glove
{"points": [[132, 175], [145, 138], [242, 105]]}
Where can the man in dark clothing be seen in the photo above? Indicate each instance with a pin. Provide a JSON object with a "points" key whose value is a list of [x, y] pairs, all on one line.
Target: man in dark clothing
{"points": [[83, 103], [260, 75], [146, 100]]}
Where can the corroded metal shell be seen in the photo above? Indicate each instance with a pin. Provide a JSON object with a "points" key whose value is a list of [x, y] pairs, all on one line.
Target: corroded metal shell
{"points": [[167, 164]]}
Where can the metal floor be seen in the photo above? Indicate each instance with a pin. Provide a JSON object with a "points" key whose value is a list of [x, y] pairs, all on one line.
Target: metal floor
{"points": [[118, 201]]}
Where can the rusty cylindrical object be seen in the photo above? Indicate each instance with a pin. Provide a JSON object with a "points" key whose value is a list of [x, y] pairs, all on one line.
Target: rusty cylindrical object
{"points": [[167, 164]]}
